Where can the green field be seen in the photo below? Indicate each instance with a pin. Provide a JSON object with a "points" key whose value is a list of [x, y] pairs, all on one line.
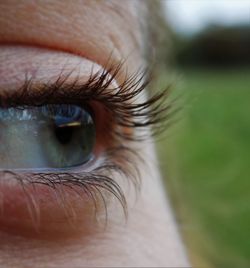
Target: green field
{"points": [[205, 159]]}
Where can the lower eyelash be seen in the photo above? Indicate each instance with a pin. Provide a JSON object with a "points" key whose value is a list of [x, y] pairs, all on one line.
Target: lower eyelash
{"points": [[93, 184]]}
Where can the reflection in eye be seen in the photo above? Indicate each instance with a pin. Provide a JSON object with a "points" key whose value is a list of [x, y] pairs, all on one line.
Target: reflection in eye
{"points": [[50, 136]]}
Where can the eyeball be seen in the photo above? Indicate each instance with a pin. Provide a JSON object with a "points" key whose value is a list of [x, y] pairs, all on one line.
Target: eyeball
{"points": [[51, 136]]}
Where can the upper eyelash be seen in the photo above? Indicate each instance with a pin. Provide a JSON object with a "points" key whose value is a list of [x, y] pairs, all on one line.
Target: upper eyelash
{"points": [[120, 102]]}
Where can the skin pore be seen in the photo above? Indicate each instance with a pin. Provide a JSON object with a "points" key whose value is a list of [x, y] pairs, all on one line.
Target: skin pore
{"points": [[45, 39]]}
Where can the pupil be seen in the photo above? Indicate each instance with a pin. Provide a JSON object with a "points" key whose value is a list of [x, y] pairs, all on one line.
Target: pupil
{"points": [[64, 134]]}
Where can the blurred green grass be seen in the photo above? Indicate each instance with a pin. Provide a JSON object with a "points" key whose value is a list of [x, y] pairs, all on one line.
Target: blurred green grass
{"points": [[205, 159]]}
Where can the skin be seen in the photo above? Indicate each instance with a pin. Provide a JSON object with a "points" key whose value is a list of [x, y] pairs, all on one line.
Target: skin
{"points": [[41, 38]]}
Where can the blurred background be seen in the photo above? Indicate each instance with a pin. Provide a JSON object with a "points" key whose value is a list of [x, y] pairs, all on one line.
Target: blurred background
{"points": [[205, 156]]}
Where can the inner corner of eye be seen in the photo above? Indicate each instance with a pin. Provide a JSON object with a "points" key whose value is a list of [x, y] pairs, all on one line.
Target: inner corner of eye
{"points": [[50, 136]]}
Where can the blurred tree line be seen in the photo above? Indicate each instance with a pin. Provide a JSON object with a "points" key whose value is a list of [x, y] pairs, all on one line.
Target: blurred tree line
{"points": [[216, 46]]}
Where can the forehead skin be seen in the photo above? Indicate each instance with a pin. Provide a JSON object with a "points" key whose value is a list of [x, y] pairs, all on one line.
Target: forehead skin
{"points": [[80, 27]]}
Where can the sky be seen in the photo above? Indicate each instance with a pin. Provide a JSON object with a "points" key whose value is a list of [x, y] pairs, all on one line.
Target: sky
{"points": [[190, 16]]}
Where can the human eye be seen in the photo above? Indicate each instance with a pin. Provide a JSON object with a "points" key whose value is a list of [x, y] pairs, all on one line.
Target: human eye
{"points": [[70, 145], [59, 136]]}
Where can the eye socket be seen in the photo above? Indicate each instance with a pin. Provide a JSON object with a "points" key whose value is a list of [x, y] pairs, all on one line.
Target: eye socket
{"points": [[50, 136]]}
